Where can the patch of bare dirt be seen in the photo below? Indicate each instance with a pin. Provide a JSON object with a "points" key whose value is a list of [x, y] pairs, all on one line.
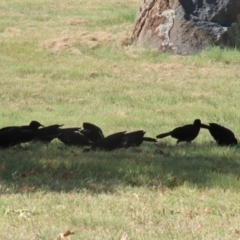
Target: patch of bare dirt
{"points": [[76, 21], [66, 41], [122, 114], [162, 66], [75, 51], [93, 40], [202, 94], [179, 67], [13, 31], [124, 39]]}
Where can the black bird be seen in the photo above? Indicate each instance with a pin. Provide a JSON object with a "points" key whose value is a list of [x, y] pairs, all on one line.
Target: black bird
{"points": [[186, 133], [92, 132], [135, 139], [33, 125], [121, 140], [15, 136], [110, 142], [222, 135], [47, 134], [72, 137]]}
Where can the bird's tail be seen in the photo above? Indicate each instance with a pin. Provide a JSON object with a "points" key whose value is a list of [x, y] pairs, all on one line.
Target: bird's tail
{"points": [[204, 126], [148, 139], [163, 135]]}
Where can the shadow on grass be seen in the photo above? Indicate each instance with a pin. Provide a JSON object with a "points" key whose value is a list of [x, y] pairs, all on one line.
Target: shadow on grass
{"points": [[59, 168]]}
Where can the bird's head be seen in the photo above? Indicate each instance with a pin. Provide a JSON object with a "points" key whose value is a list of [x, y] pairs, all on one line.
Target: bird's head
{"points": [[35, 125], [197, 122]]}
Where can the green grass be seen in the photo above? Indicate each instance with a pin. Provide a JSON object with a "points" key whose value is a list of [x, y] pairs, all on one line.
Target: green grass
{"points": [[65, 62]]}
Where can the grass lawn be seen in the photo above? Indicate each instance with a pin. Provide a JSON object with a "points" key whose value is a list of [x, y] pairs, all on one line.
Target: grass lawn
{"points": [[68, 62]]}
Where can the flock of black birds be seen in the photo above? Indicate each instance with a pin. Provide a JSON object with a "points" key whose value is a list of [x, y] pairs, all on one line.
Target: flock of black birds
{"points": [[92, 136]]}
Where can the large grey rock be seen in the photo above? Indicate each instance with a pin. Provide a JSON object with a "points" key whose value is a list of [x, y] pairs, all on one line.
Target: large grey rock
{"points": [[187, 26]]}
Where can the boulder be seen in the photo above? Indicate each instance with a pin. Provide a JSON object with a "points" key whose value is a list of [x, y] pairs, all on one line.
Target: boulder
{"points": [[187, 26]]}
